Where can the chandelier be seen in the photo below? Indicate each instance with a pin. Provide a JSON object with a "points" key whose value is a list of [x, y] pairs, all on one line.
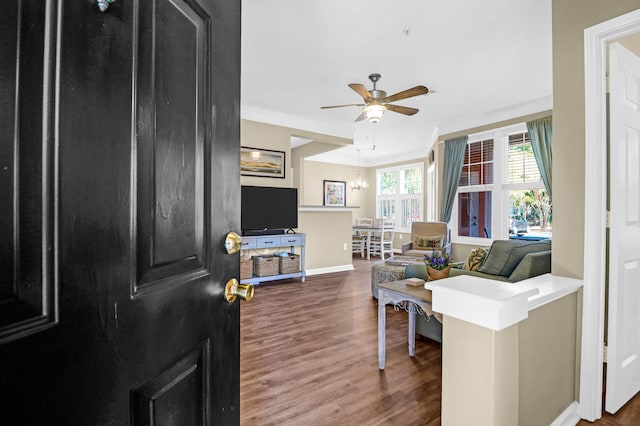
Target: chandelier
{"points": [[358, 184]]}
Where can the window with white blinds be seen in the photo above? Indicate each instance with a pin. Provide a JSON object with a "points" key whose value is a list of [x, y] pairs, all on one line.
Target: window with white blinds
{"points": [[522, 163], [500, 191], [474, 190], [477, 168]]}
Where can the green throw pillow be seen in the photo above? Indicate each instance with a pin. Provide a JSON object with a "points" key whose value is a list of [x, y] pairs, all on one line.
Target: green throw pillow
{"points": [[505, 255]]}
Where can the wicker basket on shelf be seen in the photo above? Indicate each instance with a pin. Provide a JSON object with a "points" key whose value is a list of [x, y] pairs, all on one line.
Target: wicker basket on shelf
{"points": [[246, 267], [290, 263], [264, 266]]}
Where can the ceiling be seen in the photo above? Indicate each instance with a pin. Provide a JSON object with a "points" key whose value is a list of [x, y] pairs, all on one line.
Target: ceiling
{"points": [[482, 61]]}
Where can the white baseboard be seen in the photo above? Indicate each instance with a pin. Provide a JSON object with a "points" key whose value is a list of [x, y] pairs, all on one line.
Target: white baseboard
{"points": [[329, 270], [569, 416]]}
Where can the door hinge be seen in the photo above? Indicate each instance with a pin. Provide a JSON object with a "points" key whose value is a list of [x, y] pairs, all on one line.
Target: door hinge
{"points": [[605, 352], [607, 223], [606, 83]]}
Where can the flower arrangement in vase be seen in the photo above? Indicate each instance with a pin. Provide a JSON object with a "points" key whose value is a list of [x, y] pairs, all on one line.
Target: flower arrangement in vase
{"points": [[437, 264]]}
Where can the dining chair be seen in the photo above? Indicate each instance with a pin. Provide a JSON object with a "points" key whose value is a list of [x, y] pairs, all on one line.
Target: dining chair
{"points": [[364, 221], [383, 242], [358, 244], [358, 239]]}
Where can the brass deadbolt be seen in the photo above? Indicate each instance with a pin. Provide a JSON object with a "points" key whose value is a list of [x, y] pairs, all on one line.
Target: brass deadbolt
{"points": [[233, 243], [234, 289]]}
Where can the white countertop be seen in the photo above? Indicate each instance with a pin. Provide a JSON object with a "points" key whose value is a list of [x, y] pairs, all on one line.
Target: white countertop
{"points": [[495, 304]]}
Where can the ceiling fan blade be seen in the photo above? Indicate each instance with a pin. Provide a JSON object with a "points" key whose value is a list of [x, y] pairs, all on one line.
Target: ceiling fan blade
{"points": [[409, 93], [340, 106], [360, 90], [402, 109], [361, 117]]}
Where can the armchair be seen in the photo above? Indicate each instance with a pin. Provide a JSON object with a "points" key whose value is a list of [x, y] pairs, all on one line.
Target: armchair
{"points": [[427, 236]]}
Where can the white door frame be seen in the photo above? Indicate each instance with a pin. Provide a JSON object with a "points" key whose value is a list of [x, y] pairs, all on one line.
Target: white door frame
{"points": [[596, 39]]}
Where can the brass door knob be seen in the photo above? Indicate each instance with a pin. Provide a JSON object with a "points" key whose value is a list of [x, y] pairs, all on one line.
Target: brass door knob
{"points": [[234, 289], [233, 243]]}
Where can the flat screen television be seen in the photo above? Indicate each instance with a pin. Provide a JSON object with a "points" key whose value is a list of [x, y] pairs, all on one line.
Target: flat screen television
{"points": [[268, 210]]}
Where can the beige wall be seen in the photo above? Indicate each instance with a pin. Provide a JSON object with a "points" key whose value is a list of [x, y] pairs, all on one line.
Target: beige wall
{"points": [[479, 375], [326, 233], [261, 135], [521, 375], [490, 126], [570, 19], [547, 353], [316, 172]]}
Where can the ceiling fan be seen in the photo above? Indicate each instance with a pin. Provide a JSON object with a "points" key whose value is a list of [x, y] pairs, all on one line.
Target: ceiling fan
{"points": [[376, 102]]}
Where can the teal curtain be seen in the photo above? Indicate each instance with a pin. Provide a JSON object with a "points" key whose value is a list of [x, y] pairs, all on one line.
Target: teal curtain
{"points": [[453, 158], [540, 135]]}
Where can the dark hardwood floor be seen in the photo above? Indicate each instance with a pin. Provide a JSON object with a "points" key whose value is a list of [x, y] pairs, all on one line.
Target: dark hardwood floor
{"points": [[309, 357], [628, 415]]}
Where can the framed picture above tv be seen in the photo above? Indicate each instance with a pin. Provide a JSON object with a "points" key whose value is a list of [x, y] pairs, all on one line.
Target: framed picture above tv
{"points": [[262, 162], [335, 193]]}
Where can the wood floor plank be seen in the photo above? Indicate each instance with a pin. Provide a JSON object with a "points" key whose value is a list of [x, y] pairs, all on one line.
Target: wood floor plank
{"points": [[309, 356], [628, 415]]}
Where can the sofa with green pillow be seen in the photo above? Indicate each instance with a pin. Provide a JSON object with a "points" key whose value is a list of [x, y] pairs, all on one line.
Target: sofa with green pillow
{"points": [[512, 261], [506, 260]]}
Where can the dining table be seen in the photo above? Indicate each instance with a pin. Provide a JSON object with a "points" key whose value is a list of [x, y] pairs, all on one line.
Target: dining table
{"points": [[367, 232]]}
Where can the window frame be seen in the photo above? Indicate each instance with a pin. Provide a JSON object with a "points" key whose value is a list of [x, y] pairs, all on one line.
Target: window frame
{"points": [[500, 188], [431, 192], [398, 197]]}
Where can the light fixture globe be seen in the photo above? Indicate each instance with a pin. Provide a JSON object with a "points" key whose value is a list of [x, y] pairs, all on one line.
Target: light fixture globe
{"points": [[374, 112], [358, 184]]}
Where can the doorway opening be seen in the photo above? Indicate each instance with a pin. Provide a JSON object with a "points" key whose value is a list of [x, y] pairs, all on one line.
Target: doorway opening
{"points": [[597, 39]]}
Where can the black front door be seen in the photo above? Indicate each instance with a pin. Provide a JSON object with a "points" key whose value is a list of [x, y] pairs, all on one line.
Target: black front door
{"points": [[119, 178]]}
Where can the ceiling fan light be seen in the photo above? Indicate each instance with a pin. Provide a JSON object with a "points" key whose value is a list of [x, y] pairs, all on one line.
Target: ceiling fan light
{"points": [[374, 112]]}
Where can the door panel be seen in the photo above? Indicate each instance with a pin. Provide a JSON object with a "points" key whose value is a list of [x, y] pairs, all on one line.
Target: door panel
{"points": [[623, 370], [171, 105], [179, 395], [125, 178], [27, 174]]}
